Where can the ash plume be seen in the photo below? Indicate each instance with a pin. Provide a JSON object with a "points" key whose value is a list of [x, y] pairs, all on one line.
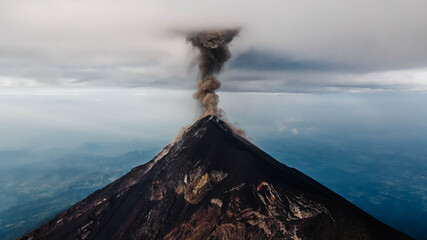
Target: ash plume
{"points": [[213, 53]]}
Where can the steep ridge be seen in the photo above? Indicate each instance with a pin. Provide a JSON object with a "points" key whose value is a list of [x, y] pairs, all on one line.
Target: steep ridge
{"points": [[213, 184]]}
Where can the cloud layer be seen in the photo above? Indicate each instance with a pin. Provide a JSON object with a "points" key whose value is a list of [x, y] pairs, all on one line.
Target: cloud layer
{"points": [[284, 45]]}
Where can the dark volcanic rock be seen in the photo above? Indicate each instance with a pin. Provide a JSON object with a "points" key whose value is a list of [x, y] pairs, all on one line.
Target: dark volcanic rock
{"points": [[213, 184]]}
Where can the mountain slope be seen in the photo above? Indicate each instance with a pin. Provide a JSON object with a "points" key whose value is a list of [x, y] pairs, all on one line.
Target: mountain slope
{"points": [[213, 184]]}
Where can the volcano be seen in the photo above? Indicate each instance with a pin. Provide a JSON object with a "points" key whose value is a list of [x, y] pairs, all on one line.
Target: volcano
{"points": [[213, 184]]}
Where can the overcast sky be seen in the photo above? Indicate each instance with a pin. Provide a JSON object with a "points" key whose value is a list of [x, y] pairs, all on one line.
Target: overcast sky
{"points": [[284, 46]]}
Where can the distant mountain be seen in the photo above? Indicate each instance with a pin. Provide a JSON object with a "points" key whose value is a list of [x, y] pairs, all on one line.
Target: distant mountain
{"points": [[213, 184]]}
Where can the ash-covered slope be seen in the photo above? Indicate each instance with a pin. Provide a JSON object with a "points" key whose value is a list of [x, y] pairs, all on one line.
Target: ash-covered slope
{"points": [[213, 184]]}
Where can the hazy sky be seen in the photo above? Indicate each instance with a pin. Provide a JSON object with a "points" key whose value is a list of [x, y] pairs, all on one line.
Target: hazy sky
{"points": [[66, 118], [285, 46], [128, 63]]}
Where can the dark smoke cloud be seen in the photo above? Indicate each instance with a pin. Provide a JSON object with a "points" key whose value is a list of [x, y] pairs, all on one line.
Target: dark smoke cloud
{"points": [[213, 53]]}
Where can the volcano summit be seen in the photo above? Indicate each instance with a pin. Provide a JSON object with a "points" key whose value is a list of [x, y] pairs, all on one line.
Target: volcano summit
{"points": [[213, 184]]}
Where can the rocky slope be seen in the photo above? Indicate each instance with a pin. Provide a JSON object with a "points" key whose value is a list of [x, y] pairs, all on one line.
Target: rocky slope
{"points": [[213, 184]]}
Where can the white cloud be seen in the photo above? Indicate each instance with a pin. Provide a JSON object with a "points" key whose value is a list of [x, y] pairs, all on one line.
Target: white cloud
{"points": [[17, 82]]}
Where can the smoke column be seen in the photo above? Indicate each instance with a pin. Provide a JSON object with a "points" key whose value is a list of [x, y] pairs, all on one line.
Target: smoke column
{"points": [[213, 53]]}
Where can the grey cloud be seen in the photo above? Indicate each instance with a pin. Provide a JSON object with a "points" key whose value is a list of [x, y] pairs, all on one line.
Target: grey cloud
{"points": [[284, 45], [321, 82], [265, 61]]}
